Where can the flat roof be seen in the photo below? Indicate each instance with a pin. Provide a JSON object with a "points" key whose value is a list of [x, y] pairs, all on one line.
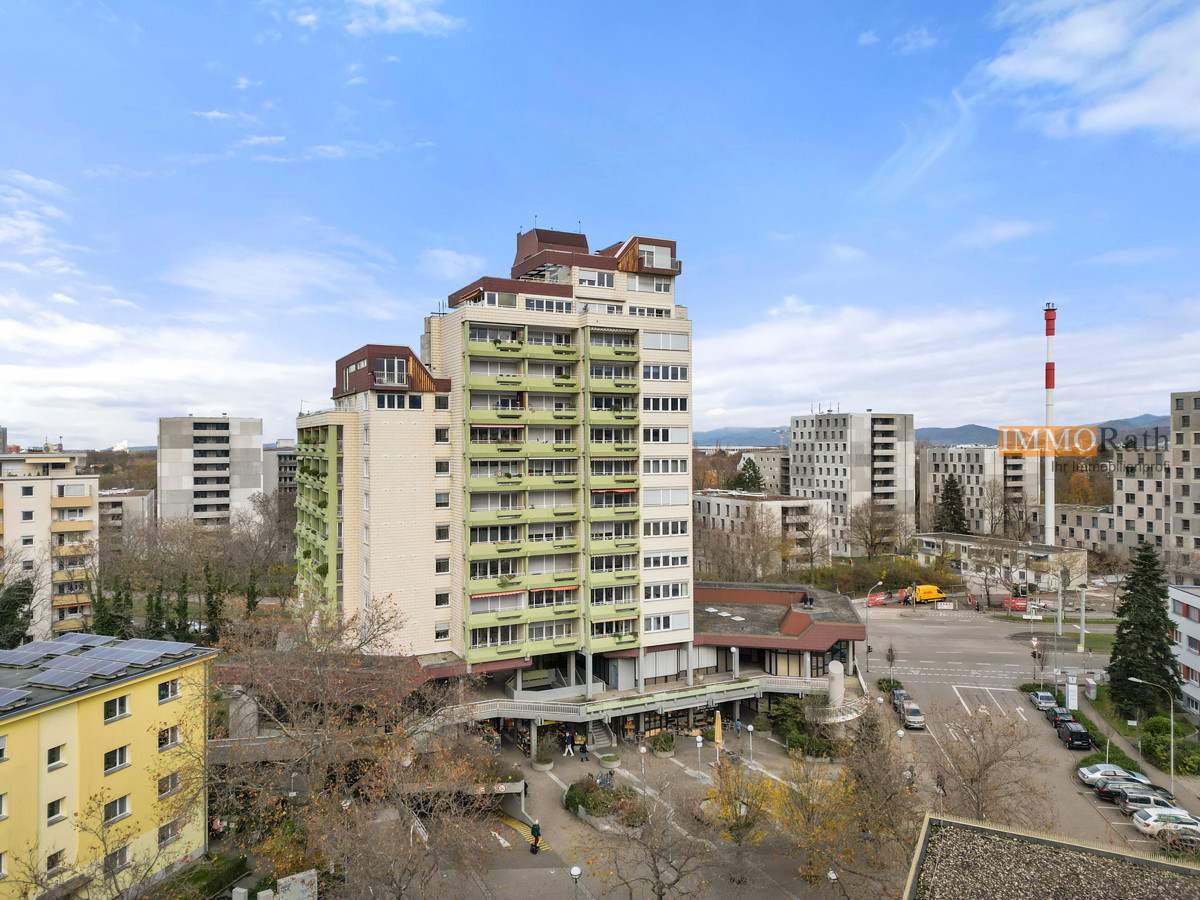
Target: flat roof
{"points": [[988, 540], [75, 664], [772, 616]]}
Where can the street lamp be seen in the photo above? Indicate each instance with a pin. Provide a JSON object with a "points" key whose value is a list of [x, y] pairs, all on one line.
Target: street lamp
{"points": [[750, 729], [867, 624], [699, 744], [1171, 707], [575, 874], [834, 880], [642, 754]]}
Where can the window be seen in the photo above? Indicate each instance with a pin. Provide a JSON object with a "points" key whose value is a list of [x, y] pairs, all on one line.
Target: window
{"points": [[665, 466], [441, 631], [117, 708], [665, 373], [441, 401], [27, 490], [3, 863], [655, 340], [3, 806], [441, 532], [168, 833], [168, 785], [3, 747], [54, 861], [441, 598], [168, 737], [441, 435], [665, 591], [415, 401], [441, 565], [54, 757], [665, 560], [441, 467], [676, 497], [589, 278], [168, 690], [27, 515], [546, 631], [668, 622], [441, 501], [116, 861], [116, 759], [27, 540], [665, 404], [544, 305], [664, 527], [54, 811], [664, 435]]}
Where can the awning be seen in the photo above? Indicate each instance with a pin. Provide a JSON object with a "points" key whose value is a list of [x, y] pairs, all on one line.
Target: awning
{"points": [[574, 587], [486, 425], [614, 490], [498, 594]]}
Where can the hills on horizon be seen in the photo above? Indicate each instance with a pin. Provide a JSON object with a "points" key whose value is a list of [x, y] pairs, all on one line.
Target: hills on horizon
{"points": [[939, 436]]}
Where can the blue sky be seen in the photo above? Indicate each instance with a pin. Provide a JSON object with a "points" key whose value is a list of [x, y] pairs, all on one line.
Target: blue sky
{"points": [[203, 205]]}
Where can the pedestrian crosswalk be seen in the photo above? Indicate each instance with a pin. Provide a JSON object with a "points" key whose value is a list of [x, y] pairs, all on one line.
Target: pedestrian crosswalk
{"points": [[520, 828]]}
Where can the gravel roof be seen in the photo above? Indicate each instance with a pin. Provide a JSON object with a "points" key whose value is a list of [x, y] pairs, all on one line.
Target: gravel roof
{"points": [[966, 864]]}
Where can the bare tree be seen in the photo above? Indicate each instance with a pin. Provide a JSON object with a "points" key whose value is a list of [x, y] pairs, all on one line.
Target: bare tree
{"points": [[874, 527], [754, 550], [1018, 515], [810, 535], [989, 767], [993, 506]]}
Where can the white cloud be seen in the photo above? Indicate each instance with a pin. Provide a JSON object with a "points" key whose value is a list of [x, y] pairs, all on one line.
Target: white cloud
{"points": [[1104, 68], [922, 147], [242, 83], [991, 232], [1132, 256], [37, 185], [844, 252], [212, 115], [327, 151], [305, 17], [348, 149], [261, 140], [63, 298], [358, 80], [421, 16], [868, 37], [117, 301], [915, 40], [449, 264]]}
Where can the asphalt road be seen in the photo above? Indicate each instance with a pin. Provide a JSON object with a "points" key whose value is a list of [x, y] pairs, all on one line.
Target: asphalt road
{"points": [[954, 662]]}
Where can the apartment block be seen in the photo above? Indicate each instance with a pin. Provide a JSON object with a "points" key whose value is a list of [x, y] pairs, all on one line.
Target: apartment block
{"points": [[208, 468], [125, 509], [1184, 610], [101, 773], [739, 519], [1091, 528], [1142, 499], [49, 529], [1000, 493], [279, 467], [1183, 549], [775, 466], [854, 458]]}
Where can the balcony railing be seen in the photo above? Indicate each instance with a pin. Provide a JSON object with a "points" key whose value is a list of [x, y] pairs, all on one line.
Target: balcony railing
{"points": [[386, 379]]}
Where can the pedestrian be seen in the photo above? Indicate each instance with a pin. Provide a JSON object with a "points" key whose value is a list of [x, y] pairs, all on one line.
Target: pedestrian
{"points": [[536, 833], [569, 746], [738, 728], [583, 750]]}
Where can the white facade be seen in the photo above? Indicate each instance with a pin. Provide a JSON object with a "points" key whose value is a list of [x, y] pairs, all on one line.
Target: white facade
{"points": [[49, 528], [732, 512], [124, 509], [994, 487], [208, 468], [775, 466], [1184, 610], [854, 458]]}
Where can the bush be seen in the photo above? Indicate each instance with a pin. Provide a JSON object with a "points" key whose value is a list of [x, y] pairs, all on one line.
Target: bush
{"points": [[662, 741], [1116, 756], [266, 883], [709, 734], [611, 757], [1157, 725], [547, 746], [887, 685], [221, 872], [575, 798]]}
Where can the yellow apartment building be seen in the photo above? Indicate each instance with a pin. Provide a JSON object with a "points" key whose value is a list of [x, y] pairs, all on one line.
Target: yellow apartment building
{"points": [[101, 764]]}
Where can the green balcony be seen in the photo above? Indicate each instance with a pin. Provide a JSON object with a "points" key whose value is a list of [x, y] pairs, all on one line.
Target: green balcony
{"points": [[614, 482], [567, 545], [497, 382], [517, 416], [613, 385], [627, 417], [551, 580], [611, 513], [476, 517], [503, 617], [557, 645], [554, 482], [499, 550], [555, 514], [616, 642], [612, 579], [618, 545], [495, 585], [555, 417], [545, 385], [509, 450], [499, 483], [504, 349], [596, 448], [603, 613], [491, 654], [616, 354], [553, 613], [553, 351]]}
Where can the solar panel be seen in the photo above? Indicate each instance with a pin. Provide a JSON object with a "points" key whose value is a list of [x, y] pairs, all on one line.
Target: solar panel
{"points": [[11, 697], [46, 648], [167, 648], [57, 678], [132, 657], [103, 667], [20, 657], [80, 639]]}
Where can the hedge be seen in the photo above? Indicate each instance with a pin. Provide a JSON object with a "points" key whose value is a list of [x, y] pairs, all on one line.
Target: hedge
{"points": [[1116, 755]]}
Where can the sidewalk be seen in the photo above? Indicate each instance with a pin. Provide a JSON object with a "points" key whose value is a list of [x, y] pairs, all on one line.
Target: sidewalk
{"points": [[1187, 787]]}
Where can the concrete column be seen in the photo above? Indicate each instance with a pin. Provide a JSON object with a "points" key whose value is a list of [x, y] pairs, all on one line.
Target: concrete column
{"points": [[850, 659], [517, 681], [641, 670], [571, 673], [807, 673], [587, 675], [737, 661], [691, 718], [691, 667], [532, 738]]}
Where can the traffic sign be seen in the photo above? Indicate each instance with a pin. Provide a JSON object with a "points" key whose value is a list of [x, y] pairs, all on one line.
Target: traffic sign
{"points": [[1033, 641]]}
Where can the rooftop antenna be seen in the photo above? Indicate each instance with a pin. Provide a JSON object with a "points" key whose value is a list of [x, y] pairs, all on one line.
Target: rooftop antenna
{"points": [[579, 222], [535, 221]]}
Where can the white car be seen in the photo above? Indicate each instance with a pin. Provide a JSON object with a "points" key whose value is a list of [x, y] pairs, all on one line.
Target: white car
{"points": [[1089, 775], [1154, 821]]}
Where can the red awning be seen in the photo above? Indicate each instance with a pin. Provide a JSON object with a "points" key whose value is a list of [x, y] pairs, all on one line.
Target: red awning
{"points": [[497, 594], [573, 587], [613, 490]]}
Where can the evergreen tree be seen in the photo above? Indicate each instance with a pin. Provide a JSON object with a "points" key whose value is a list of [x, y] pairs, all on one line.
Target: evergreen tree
{"points": [[214, 605], [1142, 648], [252, 593], [155, 613], [16, 601], [749, 478], [122, 609], [951, 514], [105, 619], [180, 624]]}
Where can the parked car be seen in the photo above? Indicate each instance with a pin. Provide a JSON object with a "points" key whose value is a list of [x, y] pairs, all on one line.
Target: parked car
{"points": [[1058, 715], [1110, 788], [1075, 736], [1182, 840], [1090, 774], [899, 698], [912, 716], [1042, 700], [1152, 821], [1134, 799]]}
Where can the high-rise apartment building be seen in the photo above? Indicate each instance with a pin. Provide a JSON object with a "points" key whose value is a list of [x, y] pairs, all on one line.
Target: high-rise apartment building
{"points": [[208, 468], [279, 467], [854, 458], [1142, 499], [775, 466], [49, 529], [1000, 493], [521, 495], [1183, 556]]}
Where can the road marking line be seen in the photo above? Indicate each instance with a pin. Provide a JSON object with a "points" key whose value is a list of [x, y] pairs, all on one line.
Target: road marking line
{"points": [[1021, 713], [960, 699], [999, 708], [562, 784], [503, 843]]}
